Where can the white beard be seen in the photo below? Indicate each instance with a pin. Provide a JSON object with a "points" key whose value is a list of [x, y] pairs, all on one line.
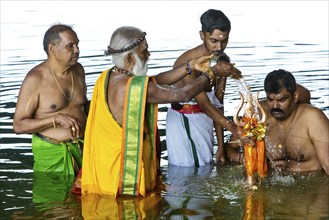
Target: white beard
{"points": [[139, 69]]}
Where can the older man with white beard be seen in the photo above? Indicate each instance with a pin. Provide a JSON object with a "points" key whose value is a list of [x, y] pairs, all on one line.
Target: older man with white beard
{"points": [[119, 152]]}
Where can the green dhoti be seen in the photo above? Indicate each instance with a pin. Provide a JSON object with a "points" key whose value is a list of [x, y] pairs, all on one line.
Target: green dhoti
{"points": [[64, 157], [50, 187]]}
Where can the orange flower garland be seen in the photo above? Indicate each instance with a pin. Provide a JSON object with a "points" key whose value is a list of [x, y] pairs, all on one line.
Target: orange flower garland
{"points": [[254, 151]]}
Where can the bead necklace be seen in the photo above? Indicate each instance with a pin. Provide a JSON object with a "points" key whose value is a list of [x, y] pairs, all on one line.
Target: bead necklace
{"points": [[69, 99], [121, 71]]}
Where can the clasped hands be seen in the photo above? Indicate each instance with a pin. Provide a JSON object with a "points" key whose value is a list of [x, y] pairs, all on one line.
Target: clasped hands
{"points": [[69, 122], [220, 69]]}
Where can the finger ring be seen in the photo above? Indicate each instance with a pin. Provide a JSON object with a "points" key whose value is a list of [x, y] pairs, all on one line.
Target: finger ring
{"points": [[73, 128]]}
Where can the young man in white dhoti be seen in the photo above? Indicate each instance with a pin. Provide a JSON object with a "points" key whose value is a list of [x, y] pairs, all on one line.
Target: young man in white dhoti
{"points": [[190, 126]]}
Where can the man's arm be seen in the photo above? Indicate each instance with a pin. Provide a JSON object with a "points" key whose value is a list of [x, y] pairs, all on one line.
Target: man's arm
{"points": [[196, 66], [166, 94], [318, 127], [304, 94], [218, 117], [232, 151], [27, 104], [219, 93], [82, 74], [220, 153]]}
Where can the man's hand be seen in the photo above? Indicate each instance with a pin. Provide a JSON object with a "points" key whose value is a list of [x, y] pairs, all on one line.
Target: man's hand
{"points": [[201, 64], [69, 122], [226, 69], [220, 156], [279, 164]]}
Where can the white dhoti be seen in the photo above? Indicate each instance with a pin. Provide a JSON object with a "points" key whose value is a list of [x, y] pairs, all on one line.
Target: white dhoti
{"points": [[190, 136]]}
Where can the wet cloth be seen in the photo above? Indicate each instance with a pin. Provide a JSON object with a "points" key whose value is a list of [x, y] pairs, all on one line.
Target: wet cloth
{"points": [[49, 156], [120, 160], [190, 135], [49, 188]]}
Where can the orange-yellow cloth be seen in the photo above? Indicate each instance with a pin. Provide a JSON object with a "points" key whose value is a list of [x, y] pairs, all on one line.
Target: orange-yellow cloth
{"points": [[255, 156], [105, 156], [95, 206], [254, 206]]}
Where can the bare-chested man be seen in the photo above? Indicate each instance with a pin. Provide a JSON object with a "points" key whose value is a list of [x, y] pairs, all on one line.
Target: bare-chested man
{"points": [[52, 104], [189, 126], [297, 134]]}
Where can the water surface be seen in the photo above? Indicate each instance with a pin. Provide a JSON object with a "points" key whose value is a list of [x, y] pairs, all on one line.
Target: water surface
{"points": [[292, 35]]}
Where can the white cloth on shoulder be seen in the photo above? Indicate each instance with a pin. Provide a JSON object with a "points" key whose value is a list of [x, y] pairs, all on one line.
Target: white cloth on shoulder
{"points": [[179, 146]]}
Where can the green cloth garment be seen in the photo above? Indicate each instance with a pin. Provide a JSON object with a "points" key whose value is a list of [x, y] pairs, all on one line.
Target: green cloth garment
{"points": [[138, 123], [50, 188], [194, 152], [64, 157]]}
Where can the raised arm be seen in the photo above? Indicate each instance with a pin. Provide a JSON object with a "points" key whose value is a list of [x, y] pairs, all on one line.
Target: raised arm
{"points": [[196, 67], [170, 77], [166, 94]]}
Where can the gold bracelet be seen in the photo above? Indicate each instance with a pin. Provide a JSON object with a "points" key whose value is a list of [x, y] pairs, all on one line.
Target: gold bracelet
{"points": [[210, 75], [188, 68], [54, 122]]}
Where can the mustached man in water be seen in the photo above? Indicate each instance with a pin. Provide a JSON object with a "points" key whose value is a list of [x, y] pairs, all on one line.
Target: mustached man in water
{"points": [[52, 104], [297, 133], [119, 151]]}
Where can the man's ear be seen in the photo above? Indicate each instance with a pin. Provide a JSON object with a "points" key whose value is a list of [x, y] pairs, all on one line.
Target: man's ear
{"points": [[201, 35], [296, 96], [51, 49], [131, 60]]}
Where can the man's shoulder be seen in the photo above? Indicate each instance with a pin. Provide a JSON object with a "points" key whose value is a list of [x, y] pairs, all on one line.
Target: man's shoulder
{"points": [[307, 106], [310, 111], [78, 67], [36, 73], [34, 78]]}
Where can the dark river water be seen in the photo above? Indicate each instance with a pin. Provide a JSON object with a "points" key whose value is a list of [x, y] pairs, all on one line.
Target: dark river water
{"points": [[291, 35]]}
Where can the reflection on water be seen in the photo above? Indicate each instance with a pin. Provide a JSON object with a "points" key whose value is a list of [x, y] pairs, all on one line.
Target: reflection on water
{"points": [[103, 207], [208, 192]]}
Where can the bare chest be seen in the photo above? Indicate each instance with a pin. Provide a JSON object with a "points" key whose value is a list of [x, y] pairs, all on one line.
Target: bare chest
{"points": [[288, 142], [56, 95]]}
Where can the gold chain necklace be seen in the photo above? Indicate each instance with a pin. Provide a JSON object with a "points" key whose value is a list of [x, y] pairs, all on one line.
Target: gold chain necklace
{"points": [[287, 130], [69, 99]]}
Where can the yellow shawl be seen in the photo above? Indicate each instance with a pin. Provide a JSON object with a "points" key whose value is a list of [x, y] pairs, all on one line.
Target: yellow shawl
{"points": [[120, 160]]}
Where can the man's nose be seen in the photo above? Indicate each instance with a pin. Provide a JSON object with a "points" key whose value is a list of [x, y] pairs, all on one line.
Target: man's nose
{"points": [[76, 49], [276, 104], [219, 46]]}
